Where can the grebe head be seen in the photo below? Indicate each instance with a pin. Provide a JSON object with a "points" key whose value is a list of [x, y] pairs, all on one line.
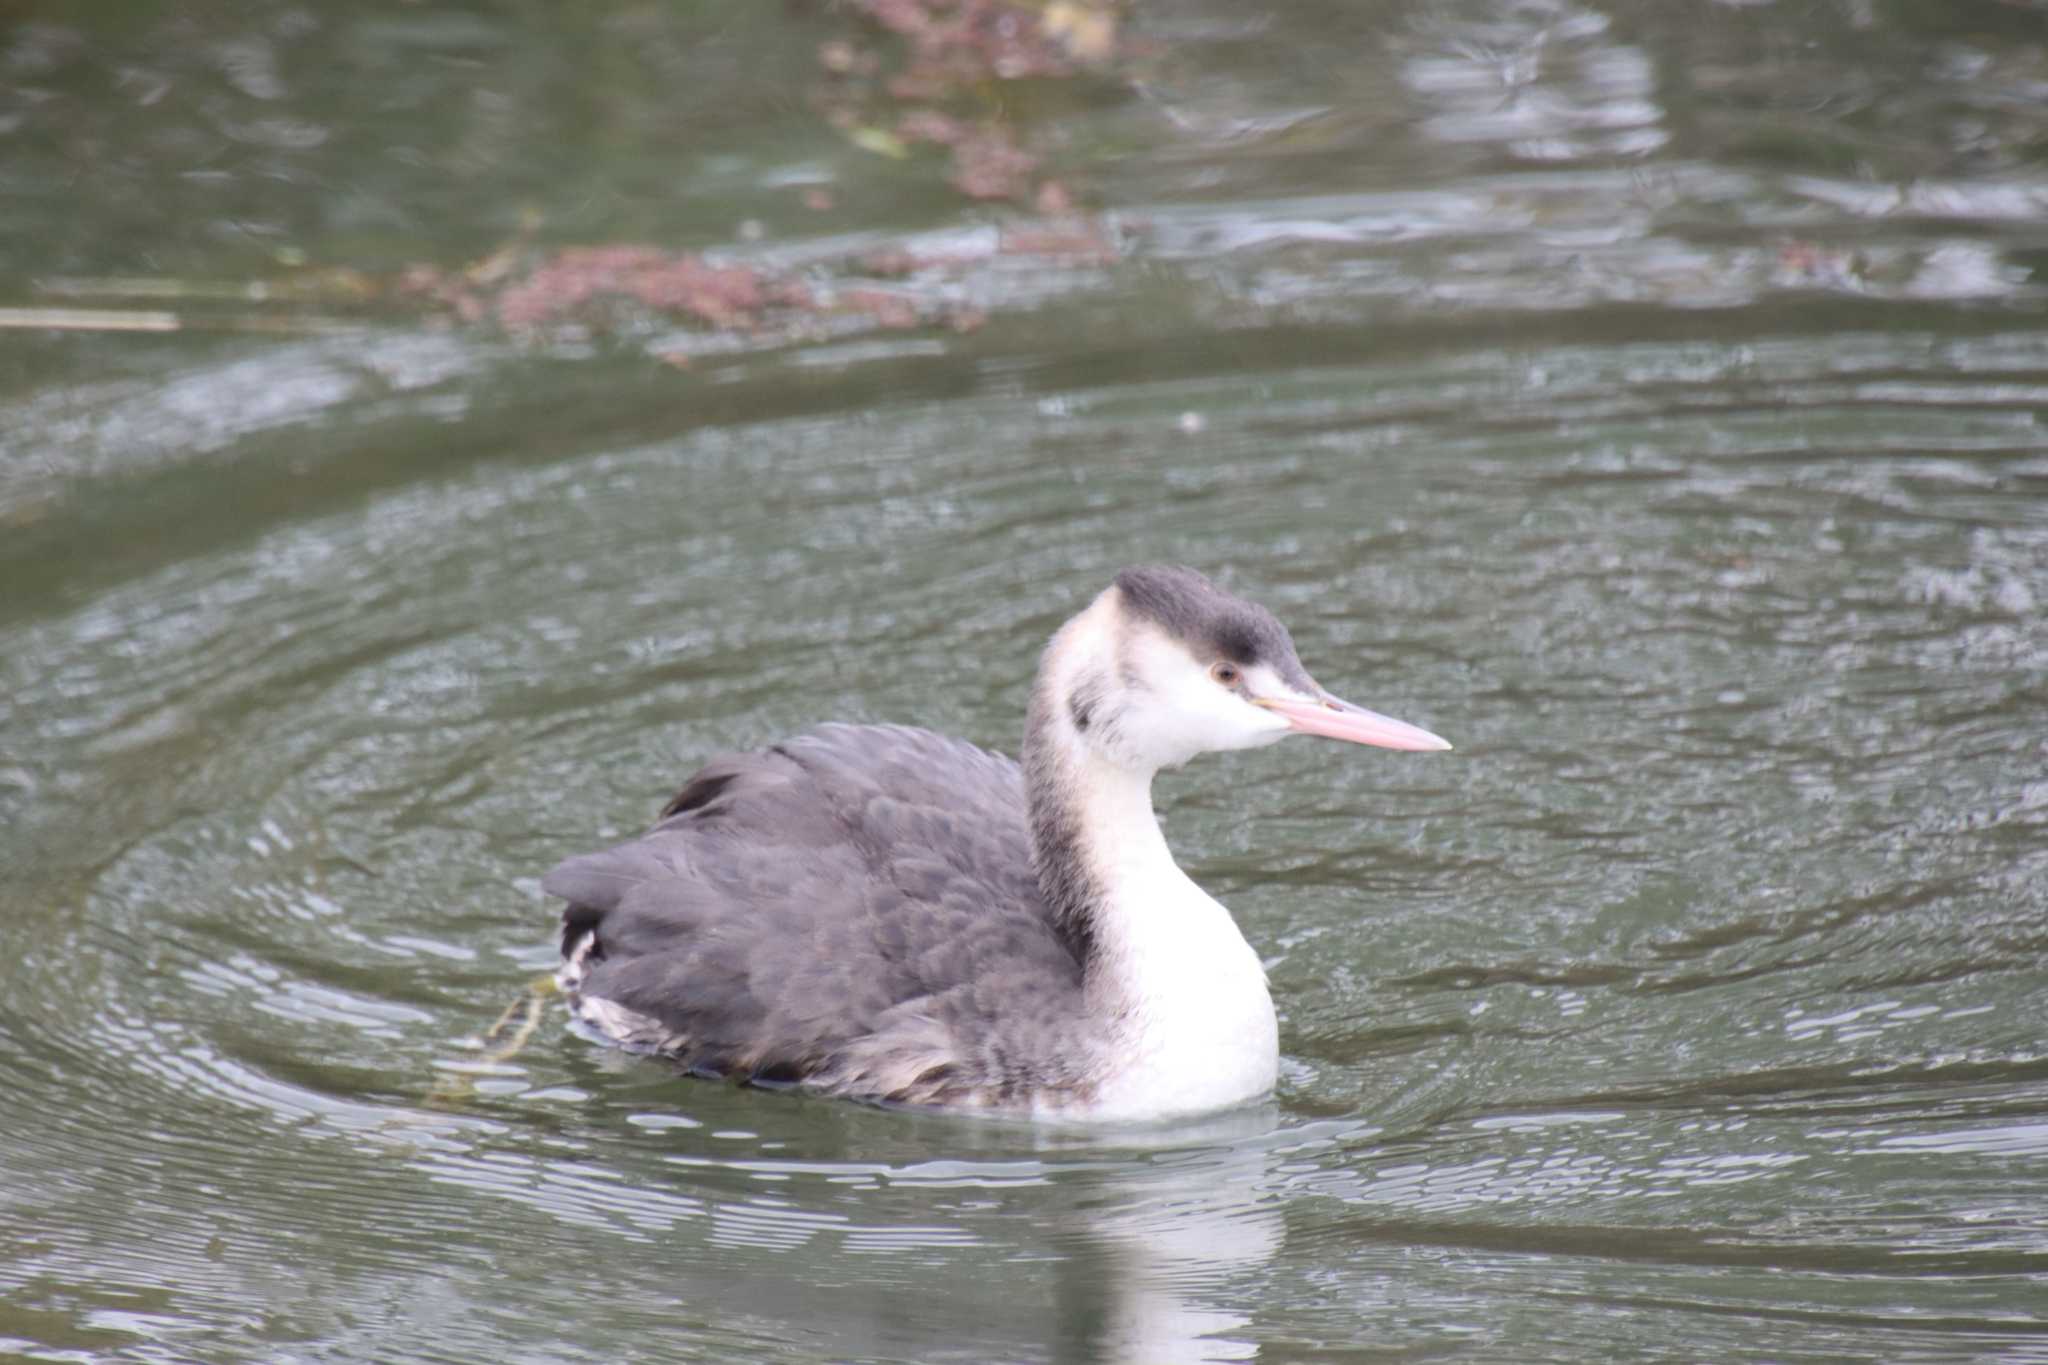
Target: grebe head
{"points": [[1165, 665]]}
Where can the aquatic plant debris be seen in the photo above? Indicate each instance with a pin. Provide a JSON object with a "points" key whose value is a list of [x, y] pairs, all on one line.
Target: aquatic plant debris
{"points": [[923, 81], [665, 281], [623, 288], [924, 74], [954, 54]]}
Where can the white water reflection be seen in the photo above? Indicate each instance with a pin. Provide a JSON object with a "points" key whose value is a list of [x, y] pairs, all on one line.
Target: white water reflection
{"points": [[106, 428], [2009, 1140], [1545, 80], [1160, 1247]]}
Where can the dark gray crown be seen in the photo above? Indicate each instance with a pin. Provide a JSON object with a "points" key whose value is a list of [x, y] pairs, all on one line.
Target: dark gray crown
{"points": [[1210, 621]]}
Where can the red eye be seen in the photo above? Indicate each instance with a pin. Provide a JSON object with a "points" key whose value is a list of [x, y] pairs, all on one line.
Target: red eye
{"points": [[1226, 673]]}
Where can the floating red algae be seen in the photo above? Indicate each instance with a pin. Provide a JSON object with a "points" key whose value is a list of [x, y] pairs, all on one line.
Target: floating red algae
{"points": [[886, 309], [929, 125], [449, 290], [1080, 241], [664, 281], [574, 285], [956, 50], [892, 262], [988, 162], [990, 165], [957, 43]]}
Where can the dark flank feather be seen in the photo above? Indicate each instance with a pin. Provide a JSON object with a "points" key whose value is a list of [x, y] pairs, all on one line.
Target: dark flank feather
{"points": [[850, 909]]}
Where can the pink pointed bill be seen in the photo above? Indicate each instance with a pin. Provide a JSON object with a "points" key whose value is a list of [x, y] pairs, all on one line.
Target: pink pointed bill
{"points": [[1334, 719]]}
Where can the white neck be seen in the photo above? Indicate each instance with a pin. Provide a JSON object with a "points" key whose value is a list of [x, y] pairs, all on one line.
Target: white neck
{"points": [[1182, 995]]}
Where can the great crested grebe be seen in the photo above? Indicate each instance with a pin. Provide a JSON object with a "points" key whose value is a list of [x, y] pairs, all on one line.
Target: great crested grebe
{"points": [[881, 912]]}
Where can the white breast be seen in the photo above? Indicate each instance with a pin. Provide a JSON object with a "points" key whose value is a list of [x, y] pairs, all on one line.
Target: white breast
{"points": [[1191, 1021]]}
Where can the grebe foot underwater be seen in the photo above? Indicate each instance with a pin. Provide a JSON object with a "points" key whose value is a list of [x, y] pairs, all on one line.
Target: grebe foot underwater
{"points": [[884, 913]]}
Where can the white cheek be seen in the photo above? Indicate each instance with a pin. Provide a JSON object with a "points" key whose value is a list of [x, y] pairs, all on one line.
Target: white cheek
{"points": [[1254, 727], [1200, 715], [1181, 711]]}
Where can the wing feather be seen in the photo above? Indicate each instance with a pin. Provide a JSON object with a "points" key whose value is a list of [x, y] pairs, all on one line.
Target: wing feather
{"points": [[853, 907]]}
